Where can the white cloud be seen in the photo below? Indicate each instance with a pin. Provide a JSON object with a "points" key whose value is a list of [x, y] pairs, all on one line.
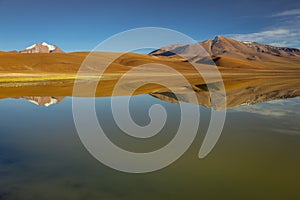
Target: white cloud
{"points": [[285, 33], [275, 108], [263, 110], [284, 113], [287, 13], [278, 37], [261, 36]]}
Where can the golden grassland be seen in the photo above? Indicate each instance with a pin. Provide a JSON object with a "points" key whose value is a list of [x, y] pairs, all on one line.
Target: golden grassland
{"points": [[54, 74], [58, 63]]}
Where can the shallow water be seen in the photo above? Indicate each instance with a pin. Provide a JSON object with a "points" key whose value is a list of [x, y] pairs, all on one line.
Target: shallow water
{"points": [[256, 157]]}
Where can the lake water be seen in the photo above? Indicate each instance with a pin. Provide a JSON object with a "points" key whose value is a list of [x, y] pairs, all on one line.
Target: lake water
{"points": [[256, 157]]}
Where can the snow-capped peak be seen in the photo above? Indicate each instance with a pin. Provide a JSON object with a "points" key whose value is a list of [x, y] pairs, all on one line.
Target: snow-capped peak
{"points": [[42, 48], [50, 47]]}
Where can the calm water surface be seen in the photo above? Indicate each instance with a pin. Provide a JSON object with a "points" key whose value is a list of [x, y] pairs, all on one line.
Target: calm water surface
{"points": [[256, 157]]}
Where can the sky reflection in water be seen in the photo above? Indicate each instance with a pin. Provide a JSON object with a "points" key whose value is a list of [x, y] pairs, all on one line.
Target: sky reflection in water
{"points": [[41, 156]]}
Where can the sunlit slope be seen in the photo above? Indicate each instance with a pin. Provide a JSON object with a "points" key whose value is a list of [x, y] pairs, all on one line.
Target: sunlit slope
{"points": [[235, 63], [232, 54], [40, 63], [71, 62]]}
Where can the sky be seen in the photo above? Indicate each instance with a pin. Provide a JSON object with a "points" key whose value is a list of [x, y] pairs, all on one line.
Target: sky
{"points": [[81, 25]]}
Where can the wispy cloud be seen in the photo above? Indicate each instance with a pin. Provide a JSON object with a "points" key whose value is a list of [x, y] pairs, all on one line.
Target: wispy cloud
{"points": [[287, 13], [277, 37], [284, 33], [284, 111], [261, 36], [275, 108]]}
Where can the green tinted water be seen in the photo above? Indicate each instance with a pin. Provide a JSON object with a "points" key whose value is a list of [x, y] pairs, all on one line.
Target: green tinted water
{"points": [[256, 157]]}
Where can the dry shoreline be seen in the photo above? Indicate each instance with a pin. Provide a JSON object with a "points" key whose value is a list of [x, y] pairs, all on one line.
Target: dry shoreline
{"points": [[19, 78]]}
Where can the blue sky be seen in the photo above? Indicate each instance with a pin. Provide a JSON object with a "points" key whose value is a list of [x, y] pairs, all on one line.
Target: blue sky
{"points": [[81, 25]]}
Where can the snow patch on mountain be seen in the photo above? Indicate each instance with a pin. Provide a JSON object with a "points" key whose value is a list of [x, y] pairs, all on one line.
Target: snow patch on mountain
{"points": [[50, 47], [247, 42], [32, 46], [52, 101]]}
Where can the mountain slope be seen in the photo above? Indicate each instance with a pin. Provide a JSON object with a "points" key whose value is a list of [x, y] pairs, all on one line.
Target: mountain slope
{"points": [[226, 47]]}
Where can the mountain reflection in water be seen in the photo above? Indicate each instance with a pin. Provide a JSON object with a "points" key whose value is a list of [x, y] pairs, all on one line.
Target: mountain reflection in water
{"points": [[238, 92]]}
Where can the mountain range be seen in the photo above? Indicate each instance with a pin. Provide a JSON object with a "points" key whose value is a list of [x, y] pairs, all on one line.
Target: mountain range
{"points": [[229, 52], [222, 50], [222, 46]]}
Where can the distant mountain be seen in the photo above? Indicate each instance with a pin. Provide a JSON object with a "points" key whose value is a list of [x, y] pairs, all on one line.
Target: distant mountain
{"points": [[226, 47], [42, 48]]}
